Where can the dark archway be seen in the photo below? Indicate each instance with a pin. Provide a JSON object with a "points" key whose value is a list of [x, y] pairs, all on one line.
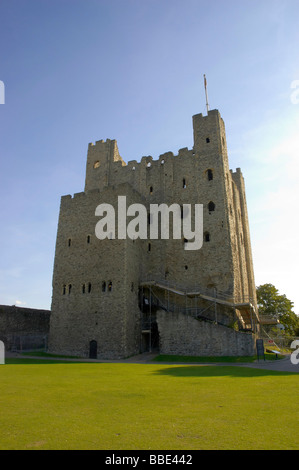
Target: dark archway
{"points": [[93, 349]]}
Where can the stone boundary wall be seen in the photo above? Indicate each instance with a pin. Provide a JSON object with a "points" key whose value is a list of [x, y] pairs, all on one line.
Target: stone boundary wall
{"points": [[186, 336], [23, 328]]}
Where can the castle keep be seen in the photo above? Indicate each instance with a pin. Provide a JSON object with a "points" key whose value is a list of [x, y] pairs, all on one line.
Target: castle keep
{"points": [[113, 298]]}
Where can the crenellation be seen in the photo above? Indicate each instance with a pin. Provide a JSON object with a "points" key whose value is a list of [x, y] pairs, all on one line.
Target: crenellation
{"points": [[183, 152]]}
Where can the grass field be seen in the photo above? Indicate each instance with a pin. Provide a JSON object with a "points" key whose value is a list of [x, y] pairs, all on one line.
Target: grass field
{"points": [[61, 405]]}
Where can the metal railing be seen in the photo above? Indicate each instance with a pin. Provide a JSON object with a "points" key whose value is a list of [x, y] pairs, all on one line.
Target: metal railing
{"points": [[194, 290], [246, 311], [156, 302]]}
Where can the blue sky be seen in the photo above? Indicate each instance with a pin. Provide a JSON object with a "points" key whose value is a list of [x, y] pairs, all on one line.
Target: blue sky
{"points": [[77, 71]]}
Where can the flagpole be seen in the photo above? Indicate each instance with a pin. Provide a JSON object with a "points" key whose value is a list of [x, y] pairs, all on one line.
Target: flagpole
{"points": [[206, 90]]}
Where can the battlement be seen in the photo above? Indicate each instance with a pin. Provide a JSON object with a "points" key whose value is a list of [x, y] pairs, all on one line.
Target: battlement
{"points": [[105, 166], [100, 142]]}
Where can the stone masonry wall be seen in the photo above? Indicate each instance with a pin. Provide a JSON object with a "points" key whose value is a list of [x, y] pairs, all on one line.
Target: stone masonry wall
{"points": [[24, 328], [183, 335], [95, 282]]}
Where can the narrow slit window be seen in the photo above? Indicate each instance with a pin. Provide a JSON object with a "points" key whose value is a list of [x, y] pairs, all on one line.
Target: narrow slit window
{"points": [[103, 286], [89, 287], [151, 190], [149, 247], [110, 286], [88, 238], [207, 237], [70, 288], [69, 242], [208, 140], [83, 289], [64, 289], [184, 183]]}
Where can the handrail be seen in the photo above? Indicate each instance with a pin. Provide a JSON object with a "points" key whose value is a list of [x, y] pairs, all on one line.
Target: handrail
{"points": [[245, 306], [196, 290], [195, 312]]}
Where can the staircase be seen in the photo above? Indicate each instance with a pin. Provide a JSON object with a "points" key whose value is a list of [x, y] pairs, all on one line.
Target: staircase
{"points": [[245, 310]]}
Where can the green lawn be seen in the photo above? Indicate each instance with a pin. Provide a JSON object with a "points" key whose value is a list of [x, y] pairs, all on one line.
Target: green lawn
{"points": [[51, 405], [215, 359]]}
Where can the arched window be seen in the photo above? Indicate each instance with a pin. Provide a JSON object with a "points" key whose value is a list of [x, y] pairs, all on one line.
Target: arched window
{"points": [[70, 288], [210, 174], [211, 206]]}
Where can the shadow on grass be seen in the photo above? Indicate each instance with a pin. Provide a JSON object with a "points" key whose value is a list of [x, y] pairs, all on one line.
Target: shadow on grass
{"points": [[212, 359], [20, 361], [217, 371]]}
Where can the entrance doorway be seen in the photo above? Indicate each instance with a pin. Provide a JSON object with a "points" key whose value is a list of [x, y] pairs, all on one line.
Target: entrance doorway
{"points": [[93, 349]]}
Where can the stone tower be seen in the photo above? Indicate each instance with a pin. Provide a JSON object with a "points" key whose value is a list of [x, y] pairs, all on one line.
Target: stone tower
{"points": [[117, 297]]}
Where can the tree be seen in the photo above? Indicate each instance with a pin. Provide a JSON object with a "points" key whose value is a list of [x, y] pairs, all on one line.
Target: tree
{"points": [[271, 302]]}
